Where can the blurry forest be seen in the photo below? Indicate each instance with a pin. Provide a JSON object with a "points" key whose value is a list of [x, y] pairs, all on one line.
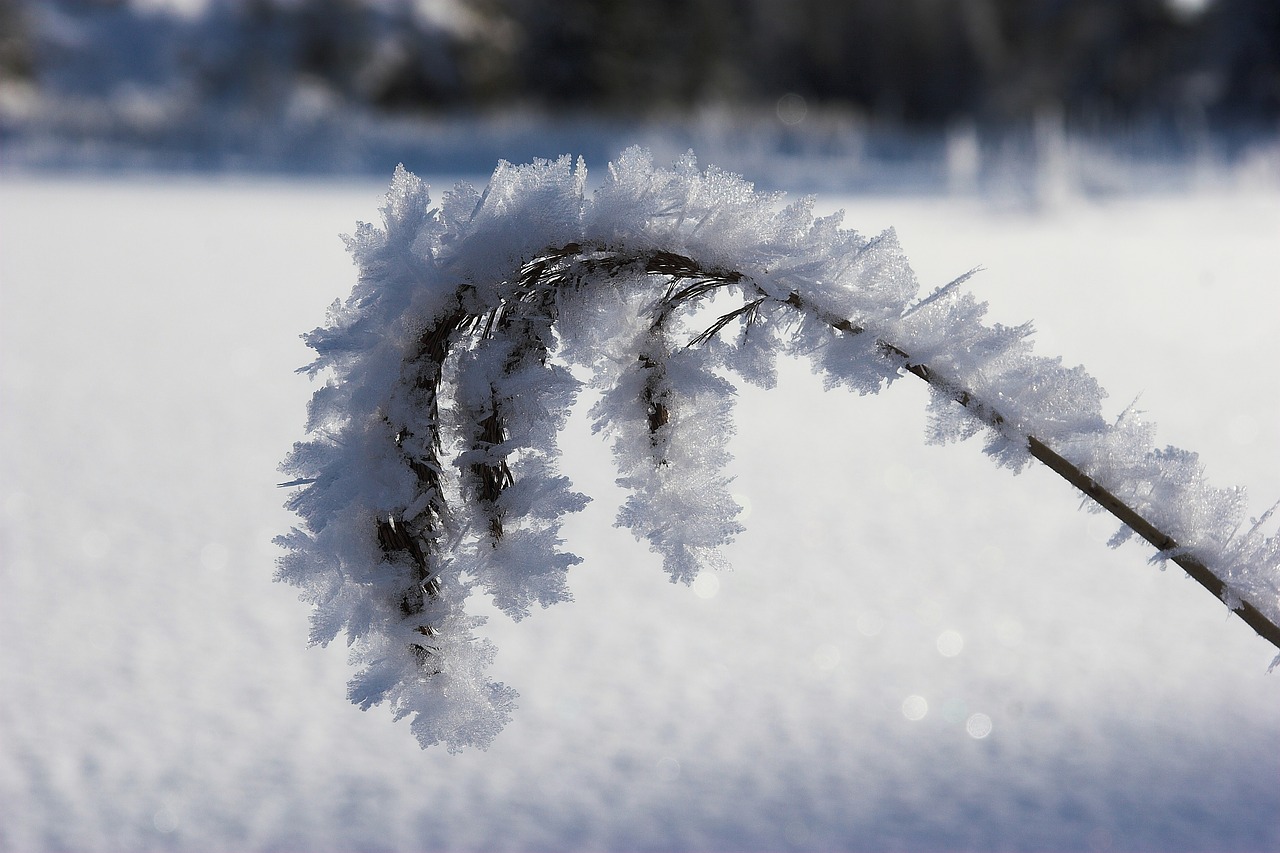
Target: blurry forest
{"points": [[1177, 70]]}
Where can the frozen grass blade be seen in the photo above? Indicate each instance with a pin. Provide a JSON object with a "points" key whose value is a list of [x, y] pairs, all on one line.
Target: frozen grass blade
{"points": [[432, 471]]}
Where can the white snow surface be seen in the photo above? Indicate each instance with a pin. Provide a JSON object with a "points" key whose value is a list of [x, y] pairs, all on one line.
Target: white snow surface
{"points": [[914, 649]]}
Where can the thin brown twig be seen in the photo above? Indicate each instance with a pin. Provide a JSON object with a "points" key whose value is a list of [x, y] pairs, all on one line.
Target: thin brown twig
{"points": [[1163, 542], [684, 267], [571, 263]]}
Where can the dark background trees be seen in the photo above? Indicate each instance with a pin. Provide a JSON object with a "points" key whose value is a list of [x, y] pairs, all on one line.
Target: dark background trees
{"points": [[916, 63]]}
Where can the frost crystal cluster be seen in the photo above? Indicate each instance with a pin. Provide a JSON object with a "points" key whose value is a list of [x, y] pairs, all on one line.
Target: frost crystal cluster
{"points": [[430, 472]]}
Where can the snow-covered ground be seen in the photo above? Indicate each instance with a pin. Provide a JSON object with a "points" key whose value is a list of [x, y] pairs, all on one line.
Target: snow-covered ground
{"points": [[915, 650]]}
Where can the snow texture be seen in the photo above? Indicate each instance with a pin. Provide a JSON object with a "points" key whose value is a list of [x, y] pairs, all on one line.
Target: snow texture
{"points": [[432, 472], [156, 693]]}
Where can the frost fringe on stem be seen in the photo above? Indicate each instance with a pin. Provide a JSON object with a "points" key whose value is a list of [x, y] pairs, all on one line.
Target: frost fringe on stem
{"points": [[431, 471]]}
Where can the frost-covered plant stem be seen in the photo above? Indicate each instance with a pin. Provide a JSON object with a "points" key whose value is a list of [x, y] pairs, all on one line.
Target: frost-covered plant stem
{"points": [[1165, 544], [431, 472]]}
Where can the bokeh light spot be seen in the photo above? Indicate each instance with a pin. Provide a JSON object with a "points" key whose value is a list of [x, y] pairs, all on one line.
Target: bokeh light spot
{"points": [[978, 726], [792, 108], [706, 585], [914, 707], [950, 643]]}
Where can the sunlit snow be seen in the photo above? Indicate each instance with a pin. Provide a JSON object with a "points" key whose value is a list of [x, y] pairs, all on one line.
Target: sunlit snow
{"points": [[914, 649]]}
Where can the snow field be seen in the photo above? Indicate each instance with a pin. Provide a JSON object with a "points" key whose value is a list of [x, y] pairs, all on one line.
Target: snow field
{"points": [[154, 688]]}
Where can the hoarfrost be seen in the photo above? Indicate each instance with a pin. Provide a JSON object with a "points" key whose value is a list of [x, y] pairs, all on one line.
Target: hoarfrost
{"points": [[431, 468]]}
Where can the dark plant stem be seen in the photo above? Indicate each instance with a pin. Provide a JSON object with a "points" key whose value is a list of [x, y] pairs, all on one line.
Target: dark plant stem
{"points": [[688, 283], [1148, 531], [680, 267], [1163, 542]]}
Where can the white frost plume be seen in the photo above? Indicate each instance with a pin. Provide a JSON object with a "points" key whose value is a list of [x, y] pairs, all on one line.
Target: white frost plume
{"points": [[431, 470]]}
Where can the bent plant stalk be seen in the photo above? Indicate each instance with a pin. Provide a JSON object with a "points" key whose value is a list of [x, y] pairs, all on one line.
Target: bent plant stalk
{"points": [[432, 472], [688, 283]]}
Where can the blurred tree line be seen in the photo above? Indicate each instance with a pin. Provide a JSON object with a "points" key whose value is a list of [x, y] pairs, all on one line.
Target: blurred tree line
{"points": [[917, 63]]}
